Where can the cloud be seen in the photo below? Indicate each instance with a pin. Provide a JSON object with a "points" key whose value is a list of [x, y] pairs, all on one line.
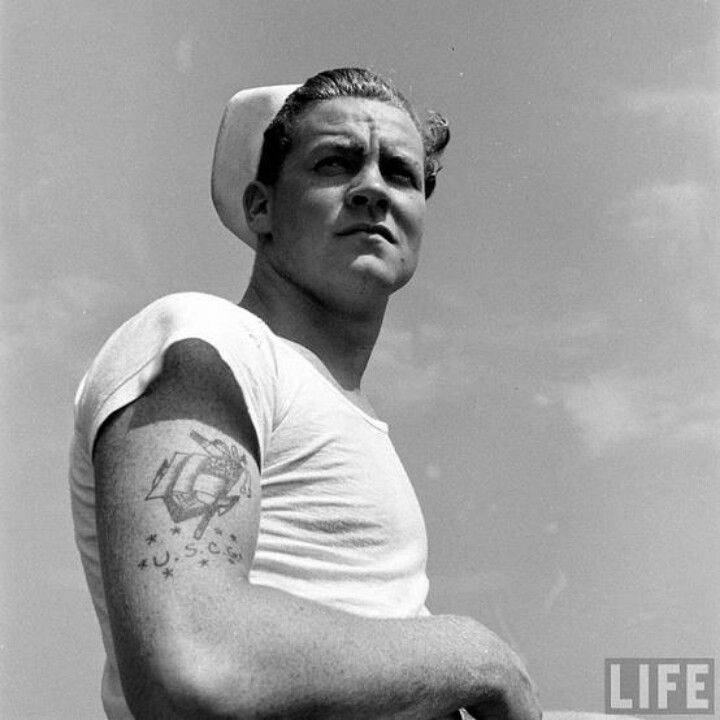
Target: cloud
{"points": [[672, 231], [558, 588], [637, 365], [184, 49], [673, 105], [674, 219], [440, 349], [664, 382], [612, 408], [57, 321], [420, 362], [694, 110], [691, 114], [571, 336], [605, 410]]}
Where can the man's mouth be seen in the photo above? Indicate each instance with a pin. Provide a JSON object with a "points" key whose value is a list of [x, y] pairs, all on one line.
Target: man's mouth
{"points": [[369, 229]]}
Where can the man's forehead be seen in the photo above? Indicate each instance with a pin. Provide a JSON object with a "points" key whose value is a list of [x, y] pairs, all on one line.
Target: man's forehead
{"points": [[351, 120]]}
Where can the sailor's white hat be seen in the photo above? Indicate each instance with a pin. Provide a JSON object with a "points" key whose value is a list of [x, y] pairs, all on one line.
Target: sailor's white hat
{"points": [[237, 152]]}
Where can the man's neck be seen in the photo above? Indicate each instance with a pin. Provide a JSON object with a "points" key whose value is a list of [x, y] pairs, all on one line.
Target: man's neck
{"points": [[342, 341]]}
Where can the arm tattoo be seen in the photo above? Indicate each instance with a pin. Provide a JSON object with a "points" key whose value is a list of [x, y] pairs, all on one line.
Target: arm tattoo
{"points": [[198, 485]]}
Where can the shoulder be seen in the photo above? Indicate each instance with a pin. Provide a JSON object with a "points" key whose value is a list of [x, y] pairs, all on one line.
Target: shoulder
{"points": [[197, 345], [235, 333], [201, 311], [195, 383], [140, 343]]}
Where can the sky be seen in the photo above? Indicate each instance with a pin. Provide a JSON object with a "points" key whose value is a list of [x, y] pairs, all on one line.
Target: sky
{"points": [[550, 376]]}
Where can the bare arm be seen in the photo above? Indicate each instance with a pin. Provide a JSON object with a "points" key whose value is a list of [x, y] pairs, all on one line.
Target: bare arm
{"points": [[194, 639]]}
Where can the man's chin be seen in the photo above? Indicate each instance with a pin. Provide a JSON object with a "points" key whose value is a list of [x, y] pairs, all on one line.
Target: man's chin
{"points": [[365, 294], [379, 273]]}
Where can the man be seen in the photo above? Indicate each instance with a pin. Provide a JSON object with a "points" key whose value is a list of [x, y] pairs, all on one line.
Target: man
{"points": [[261, 549]]}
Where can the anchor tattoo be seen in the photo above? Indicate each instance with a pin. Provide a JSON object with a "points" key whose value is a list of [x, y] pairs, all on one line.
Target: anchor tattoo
{"points": [[201, 484]]}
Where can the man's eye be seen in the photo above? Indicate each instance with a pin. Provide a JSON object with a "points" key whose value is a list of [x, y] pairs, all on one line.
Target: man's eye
{"points": [[402, 176], [333, 163], [400, 173]]}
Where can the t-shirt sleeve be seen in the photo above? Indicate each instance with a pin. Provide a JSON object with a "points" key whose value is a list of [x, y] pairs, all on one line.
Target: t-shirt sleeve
{"points": [[132, 358]]}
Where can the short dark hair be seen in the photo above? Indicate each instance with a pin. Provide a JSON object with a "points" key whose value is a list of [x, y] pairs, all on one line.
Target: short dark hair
{"points": [[347, 82]]}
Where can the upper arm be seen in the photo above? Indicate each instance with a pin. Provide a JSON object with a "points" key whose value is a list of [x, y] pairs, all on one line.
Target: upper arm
{"points": [[178, 509]]}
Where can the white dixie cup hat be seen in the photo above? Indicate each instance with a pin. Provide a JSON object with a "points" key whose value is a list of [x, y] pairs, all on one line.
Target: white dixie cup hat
{"points": [[237, 152]]}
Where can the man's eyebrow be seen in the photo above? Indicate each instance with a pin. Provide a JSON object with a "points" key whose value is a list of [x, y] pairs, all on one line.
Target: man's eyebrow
{"points": [[345, 144], [391, 153], [330, 143], [397, 156]]}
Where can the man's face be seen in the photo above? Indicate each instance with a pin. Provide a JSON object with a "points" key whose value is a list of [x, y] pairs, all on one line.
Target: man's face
{"points": [[347, 212]]}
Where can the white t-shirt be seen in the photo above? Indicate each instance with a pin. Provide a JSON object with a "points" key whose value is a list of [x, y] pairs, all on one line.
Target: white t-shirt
{"points": [[340, 523]]}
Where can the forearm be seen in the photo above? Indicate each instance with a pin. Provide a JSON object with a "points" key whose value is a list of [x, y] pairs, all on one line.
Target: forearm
{"points": [[200, 641], [280, 656], [339, 665]]}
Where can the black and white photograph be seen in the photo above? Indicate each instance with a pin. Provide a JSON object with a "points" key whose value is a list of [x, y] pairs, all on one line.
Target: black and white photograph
{"points": [[360, 360]]}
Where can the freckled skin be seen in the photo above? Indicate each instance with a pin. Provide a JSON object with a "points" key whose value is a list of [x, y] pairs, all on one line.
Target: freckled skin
{"points": [[376, 176]]}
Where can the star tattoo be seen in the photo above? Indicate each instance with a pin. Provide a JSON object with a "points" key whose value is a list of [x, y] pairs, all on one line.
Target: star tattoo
{"points": [[150, 539], [175, 530], [168, 573], [143, 563]]}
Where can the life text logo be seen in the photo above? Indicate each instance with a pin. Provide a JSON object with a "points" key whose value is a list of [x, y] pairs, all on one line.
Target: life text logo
{"points": [[659, 686]]}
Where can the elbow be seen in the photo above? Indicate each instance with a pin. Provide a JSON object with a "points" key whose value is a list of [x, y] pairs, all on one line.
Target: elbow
{"points": [[185, 683], [201, 684]]}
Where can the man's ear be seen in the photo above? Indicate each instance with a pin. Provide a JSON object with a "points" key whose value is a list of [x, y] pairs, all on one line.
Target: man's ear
{"points": [[257, 203]]}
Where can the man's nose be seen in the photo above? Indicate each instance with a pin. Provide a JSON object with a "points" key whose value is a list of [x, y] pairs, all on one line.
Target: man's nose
{"points": [[368, 190]]}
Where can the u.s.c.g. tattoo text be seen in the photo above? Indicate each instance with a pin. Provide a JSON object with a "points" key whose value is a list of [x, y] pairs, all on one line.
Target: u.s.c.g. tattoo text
{"points": [[201, 486]]}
